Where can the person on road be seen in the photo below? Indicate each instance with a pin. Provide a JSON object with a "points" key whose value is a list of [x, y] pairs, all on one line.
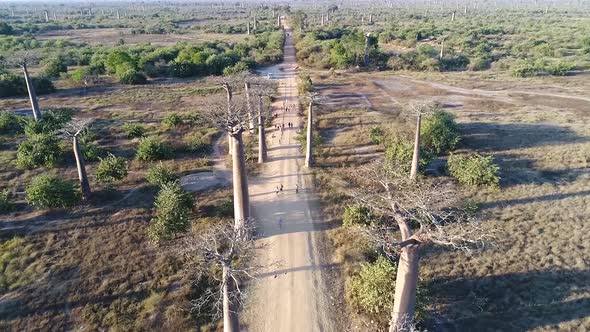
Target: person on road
{"points": [[277, 190], [280, 223], [296, 188], [281, 187]]}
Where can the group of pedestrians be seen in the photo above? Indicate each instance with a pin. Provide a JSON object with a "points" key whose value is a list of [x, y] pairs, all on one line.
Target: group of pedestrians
{"points": [[279, 189]]}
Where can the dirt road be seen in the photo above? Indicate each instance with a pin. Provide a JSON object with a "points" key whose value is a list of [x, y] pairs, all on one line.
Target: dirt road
{"points": [[290, 294]]}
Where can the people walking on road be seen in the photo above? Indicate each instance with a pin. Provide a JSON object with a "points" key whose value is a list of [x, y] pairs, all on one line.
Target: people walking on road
{"points": [[281, 187], [277, 190], [296, 188], [280, 223]]}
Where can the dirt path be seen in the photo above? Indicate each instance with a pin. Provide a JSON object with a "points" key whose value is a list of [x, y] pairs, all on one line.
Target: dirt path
{"points": [[289, 295]]}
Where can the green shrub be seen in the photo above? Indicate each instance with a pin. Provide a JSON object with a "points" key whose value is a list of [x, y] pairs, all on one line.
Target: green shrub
{"points": [[92, 152], [524, 70], [159, 175], [197, 144], [440, 132], [9, 123], [560, 68], [399, 152], [55, 67], [52, 120], [357, 214], [172, 120], [17, 266], [474, 169], [133, 130], [173, 207], [376, 135], [49, 191], [111, 169], [39, 150], [305, 84], [133, 77], [372, 291], [5, 205], [151, 149]]}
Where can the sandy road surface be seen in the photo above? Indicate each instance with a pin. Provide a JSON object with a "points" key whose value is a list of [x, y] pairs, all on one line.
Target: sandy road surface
{"points": [[291, 294]]}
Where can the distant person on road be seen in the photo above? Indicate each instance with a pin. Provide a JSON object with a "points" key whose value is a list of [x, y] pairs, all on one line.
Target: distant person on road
{"points": [[281, 187], [277, 190], [280, 223], [296, 188]]}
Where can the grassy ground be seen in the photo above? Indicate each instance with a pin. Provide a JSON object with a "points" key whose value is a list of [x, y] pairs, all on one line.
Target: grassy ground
{"points": [[533, 278]]}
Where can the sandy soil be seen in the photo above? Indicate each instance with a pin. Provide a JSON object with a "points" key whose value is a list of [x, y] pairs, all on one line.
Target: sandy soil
{"points": [[290, 295]]}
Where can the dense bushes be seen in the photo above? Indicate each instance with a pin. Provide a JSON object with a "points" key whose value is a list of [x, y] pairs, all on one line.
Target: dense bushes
{"points": [[5, 205], [9, 123], [55, 67], [132, 76], [373, 289], [440, 132], [172, 120], [173, 207], [48, 191], [197, 144], [357, 214], [151, 148], [474, 169], [111, 169]]}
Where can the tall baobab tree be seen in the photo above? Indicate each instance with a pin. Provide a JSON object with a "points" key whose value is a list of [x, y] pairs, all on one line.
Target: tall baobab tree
{"points": [[418, 110], [229, 83], [73, 130], [428, 204], [226, 248], [23, 62], [231, 116], [263, 89], [312, 98]]}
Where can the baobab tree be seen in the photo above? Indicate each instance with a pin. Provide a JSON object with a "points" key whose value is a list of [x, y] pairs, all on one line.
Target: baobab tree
{"points": [[312, 98], [23, 62], [230, 83], [231, 116], [224, 247], [430, 204], [74, 129], [262, 90], [418, 110]]}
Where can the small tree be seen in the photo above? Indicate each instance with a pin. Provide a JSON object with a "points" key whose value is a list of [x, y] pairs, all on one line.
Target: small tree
{"points": [[49, 191], [440, 132], [357, 214], [172, 120], [400, 151], [173, 208], [151, 149], [55, 67], [111, 169], [474, 170], [160, 175], [133, 130], [37, 150], [5, 205]]}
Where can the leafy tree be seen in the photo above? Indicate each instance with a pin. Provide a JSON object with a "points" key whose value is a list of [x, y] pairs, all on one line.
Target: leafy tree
{"points": [[111, 169], [9, 123], [55, 67], [440, 132], [151, 148], [474, 170], [372, 290], [132, 77], [357, 214], [173, 207], [37, 150], [399, 152], [5, 205], [49, 191], [159, 175], [134, 130], [6, 29]]}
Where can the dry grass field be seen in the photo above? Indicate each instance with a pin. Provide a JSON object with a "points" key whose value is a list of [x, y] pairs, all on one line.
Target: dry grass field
{"points": [[535, 276]]}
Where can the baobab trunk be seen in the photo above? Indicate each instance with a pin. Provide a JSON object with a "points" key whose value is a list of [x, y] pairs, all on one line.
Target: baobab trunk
{"points": [[308, 150], [442, 49], [279, 20], [249, 105], [416, 156], [453, 17], [261, 137], [406, 283], [248, 26], [32, 94], [240, 181], [231, 321], [82, 176]]}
